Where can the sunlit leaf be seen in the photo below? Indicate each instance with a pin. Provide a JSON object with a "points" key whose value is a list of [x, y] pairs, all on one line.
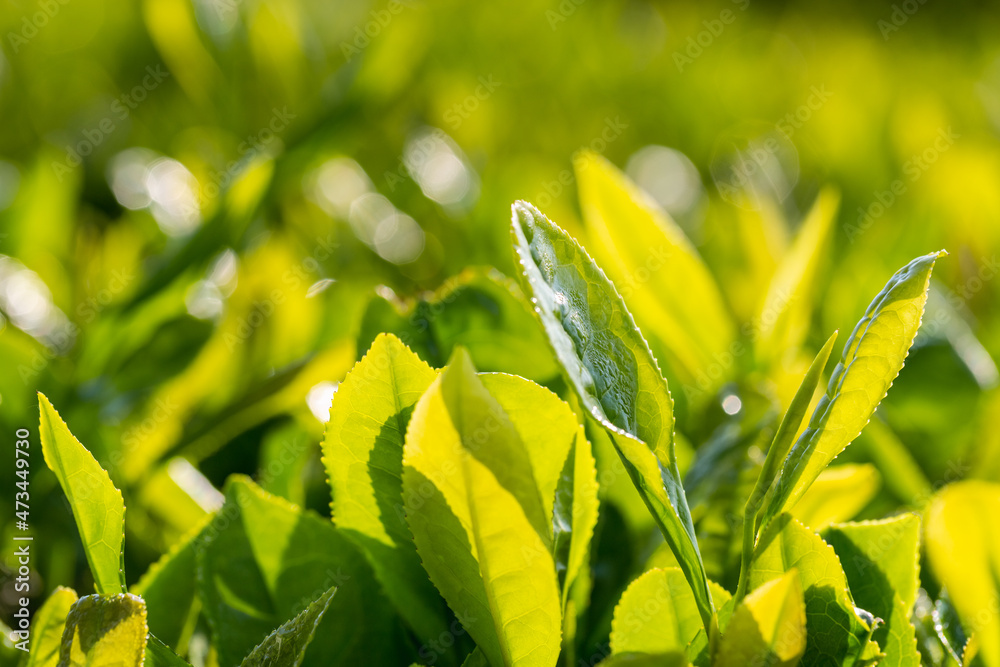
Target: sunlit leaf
{"points": [[656, 268], [657, 613], [963, 547], [768, 627], [881, 561], [105, 630], [47, 628], [873, 356], [478, 520], [97, 505], [613, 374], [835, 632], [363, 455]]}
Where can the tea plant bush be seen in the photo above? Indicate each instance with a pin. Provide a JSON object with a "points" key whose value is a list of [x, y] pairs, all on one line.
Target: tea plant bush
{"points": [[475, 514]]}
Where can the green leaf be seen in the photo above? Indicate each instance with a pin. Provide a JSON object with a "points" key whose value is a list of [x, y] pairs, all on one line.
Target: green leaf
{"points": [[646, 660], [47, 628], [963, 551], [287, 645], [648, 257], [483, 311], [786, 312], [159, 654], [880, 558], [776, 456], [657, 613], [477, 518], [872, 358], [97, 505], [105, 630], [363, 455], [168, 588], [836, 633], [838, 494], [768, 627], [613, 374], [262, 561], [562, 463]]}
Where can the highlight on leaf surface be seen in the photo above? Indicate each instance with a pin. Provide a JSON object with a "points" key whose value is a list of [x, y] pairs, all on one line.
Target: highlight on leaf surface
{"points": [[477, 516], [614, 375], [97, 505]]}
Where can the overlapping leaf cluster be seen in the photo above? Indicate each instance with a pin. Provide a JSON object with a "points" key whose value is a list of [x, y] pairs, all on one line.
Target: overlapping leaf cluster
{"points": [[467, 507]]}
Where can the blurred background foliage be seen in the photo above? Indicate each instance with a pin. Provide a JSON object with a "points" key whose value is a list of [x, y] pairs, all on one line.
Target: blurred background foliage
{"points": [[208, 209]]}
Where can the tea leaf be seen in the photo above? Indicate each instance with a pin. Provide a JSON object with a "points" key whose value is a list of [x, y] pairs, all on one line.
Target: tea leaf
{"points": [[873, 356], [47, 628], [363, 455], [768, 627], [649, 259], [613, 374], [477, 518], [105, 630], [287, 645], [836, 633], [97, 505]]}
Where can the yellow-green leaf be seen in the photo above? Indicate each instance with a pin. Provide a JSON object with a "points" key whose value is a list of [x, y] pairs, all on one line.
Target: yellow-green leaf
{"points": [[656, 268], [838, 494], [963, 547], [47, 628], [835, 632], [474, 508], [881, 561], [657, 613], [614, 375], [768, 628], [105, 630], [786, 311], [97, 505], [873, 356], [363, 455]]}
